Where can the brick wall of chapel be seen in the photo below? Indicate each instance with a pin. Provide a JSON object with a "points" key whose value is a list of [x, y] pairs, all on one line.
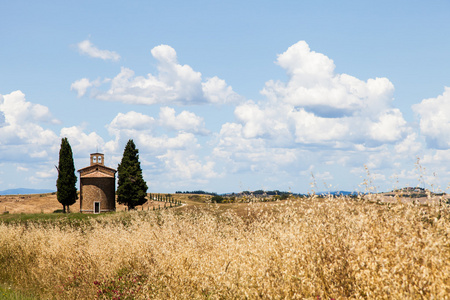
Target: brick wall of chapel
{"points": [[98, 189]]}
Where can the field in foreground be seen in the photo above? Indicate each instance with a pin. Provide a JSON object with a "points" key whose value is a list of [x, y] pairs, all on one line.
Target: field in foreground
{"points": [[303, 248]]}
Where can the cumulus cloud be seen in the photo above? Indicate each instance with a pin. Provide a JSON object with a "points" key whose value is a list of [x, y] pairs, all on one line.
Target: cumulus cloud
{"points": [[87, 48], [16, 110], [47, 173], [389, 127], [132, 120], [306, 66], [80, 86], [23, 137], [185, 121], [187, 166], [168, 145], [316, 119], [143, 129], [146, 130], [81, 142], [318, 107], [21, 122], [174, 83], [153, 142], [435, 120], [241, 153], [313, 129], [316, 115], [216, 90], [409, 145], [314, 86]]}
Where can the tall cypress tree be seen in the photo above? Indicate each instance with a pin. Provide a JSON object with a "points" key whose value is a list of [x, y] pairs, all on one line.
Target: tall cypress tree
{"points": [[132, 189], [66, 182]]}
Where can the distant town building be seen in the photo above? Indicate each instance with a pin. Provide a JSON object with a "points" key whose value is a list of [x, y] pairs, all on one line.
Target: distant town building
{"points": [[97, 186]]}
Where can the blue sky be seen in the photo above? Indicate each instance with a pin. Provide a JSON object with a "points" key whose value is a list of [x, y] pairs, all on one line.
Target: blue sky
{"points": [[229, 95]]}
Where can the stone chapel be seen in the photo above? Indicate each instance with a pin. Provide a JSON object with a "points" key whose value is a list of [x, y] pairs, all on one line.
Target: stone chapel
{"points": [[97, 186]]}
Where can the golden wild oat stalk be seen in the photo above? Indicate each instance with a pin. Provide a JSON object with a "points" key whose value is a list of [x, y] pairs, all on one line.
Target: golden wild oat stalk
{"points": [[307, 248]]}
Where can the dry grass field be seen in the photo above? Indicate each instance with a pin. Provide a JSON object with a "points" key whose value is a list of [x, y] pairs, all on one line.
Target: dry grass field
{"points": [[48, 203], [45, 203], [304, 248]]}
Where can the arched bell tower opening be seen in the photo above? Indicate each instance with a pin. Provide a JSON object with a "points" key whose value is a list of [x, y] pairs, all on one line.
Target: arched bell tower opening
{"points": [[97, 158]]}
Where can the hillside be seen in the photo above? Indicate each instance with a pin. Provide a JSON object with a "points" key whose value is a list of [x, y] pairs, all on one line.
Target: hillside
{"points": [[48, 203]]}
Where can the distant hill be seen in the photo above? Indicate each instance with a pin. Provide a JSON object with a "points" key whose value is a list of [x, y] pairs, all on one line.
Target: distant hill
{"points": [[24, 191]]}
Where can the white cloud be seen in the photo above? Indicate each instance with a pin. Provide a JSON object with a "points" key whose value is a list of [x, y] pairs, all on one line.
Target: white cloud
{"points": [[2, 114], [216, 90], [304, 65], [323, 176], [186, 121], [241, 153], [409, 145], [80, 86], [132, 120], [26, 146], [81, 143], [435, 120], [389, 127], [437, 157], [312, 129], [172, 158], [41, 175], [22, 169], [144, 130], [87, 48], [316, 117], [314, 86], [163, 143], [172, 154], [317, 106], [16, 110], [186, 166], [315, 120], [255, 120], [21, 132], [47, 173], [174, 83]]}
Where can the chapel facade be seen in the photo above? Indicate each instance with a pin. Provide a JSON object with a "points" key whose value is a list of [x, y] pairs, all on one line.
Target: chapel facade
{"points": [[97, 186]]}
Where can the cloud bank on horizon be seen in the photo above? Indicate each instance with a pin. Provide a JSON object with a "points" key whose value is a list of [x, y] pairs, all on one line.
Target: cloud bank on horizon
{"points": [[316, 122]]}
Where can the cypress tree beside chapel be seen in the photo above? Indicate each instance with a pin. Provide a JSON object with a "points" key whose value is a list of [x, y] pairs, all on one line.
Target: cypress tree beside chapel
{"points": [[66, 182], [132, 189]]}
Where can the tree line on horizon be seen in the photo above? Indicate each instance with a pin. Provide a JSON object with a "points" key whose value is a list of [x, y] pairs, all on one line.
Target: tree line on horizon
{"points": [[131, 189], [257, 192]]}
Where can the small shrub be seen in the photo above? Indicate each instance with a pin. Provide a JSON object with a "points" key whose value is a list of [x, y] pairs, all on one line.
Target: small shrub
{"points": [[217, 199], [284, 196]]}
